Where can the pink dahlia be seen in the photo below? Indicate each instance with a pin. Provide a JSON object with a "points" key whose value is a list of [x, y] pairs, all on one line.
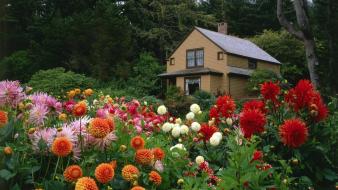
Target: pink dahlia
{"points": [[45, 135], [11, 93], [38, 114]]}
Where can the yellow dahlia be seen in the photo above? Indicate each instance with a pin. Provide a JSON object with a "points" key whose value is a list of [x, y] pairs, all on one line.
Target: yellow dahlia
{"points": [[86, 183]]}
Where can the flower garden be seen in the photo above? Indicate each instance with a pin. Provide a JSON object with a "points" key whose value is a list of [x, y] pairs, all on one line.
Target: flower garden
{"points": [[86, 140]]}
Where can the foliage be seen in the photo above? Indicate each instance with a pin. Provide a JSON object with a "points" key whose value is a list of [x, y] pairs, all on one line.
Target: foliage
{"points": [[58, 81], [144, 78], [204, 99], [258, 77], [18, 65], [177, 103], [278, 45]]}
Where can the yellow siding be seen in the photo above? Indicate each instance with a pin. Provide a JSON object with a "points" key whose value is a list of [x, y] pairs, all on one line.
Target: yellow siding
{"points": [[180, 83], [236, 61], [268, 66], [205, 83], [238, 87]]}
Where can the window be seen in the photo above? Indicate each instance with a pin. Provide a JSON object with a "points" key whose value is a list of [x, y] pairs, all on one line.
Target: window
{"points": [[252, 63], [192, 85], [195, 58], [172, 61], [220, 55]]}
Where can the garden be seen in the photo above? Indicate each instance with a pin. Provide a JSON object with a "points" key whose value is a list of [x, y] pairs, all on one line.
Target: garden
{"points": [[88, 140]]}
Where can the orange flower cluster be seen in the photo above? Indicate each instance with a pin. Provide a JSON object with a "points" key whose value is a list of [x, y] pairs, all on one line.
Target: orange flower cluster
{"points": [[99, 127], [86, 183], [130, 172], [3, 118], [155, 178], [62, 146], [158, 153], [80, 109], [144, 156], [104, 173], [8, 150], [137, 142], [72, 173]]}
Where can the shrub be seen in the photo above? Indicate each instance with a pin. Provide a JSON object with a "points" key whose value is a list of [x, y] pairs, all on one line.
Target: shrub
{"points": [[18, 66], [57, 81], [204, 99], [258, 77]]}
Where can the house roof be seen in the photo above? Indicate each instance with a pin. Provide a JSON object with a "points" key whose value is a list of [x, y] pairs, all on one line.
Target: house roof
{"points": [[191, 72], [239, 71], [237, 46]]}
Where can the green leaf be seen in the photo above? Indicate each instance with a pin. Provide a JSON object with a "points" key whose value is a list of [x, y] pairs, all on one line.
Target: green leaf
{"points": [[5, 174]]}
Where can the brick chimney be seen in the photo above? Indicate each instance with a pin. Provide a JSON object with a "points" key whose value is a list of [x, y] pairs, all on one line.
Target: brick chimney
{"points": [[223, 27]]}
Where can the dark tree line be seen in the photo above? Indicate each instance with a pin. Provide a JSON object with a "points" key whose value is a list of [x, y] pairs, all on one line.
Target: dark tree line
{"points": [[104, 38]]}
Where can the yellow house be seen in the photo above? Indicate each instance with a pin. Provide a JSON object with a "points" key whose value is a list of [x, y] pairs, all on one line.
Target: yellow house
{"points": [[216, 62]]}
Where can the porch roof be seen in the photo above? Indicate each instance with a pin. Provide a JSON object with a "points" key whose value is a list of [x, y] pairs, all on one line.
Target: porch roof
{"points": [[191, 72], [239, 71]]}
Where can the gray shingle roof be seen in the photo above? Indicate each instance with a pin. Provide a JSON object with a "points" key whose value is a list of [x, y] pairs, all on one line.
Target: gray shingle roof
{"points": [[238, 46], [190, 72]]}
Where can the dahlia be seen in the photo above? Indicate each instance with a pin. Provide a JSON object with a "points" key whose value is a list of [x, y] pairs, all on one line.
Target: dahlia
{"points": [[137, 188], [88, 92], [111, 123], [45, 99], [195, 126], [190, 116], [99, 128], [317, 108], [161, 110], [137, 142], [158, 166], [104, 173], [62, 146], [300, 96], [199, 160], [11, 93], [144, 156], [86, 183], [158, 153], [3, 118], [80, 109], [293, 133], [252, 121], [130, 173], [72, 173], [257, 155], [270, 91], [225, 105], [255, 104], [102, 143], [195, 108], [155, 178], [166, 127], [45, 135], [213, 113], [38, 114], [8, 150], [207, 131]]}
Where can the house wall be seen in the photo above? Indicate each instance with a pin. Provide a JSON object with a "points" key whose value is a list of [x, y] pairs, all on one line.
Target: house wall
{"points": [[238, 87]]}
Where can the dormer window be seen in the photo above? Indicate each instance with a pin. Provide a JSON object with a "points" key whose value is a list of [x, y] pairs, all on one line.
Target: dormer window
{"points": [[195, 58], [252, 63]]}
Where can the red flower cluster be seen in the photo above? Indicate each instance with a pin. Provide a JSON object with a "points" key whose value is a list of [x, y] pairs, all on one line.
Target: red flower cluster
{"points": [[204, 167], [257, 155], [303, 96], [255, 104], [270, 91], [225, 107], [293, 133], [207, 131], [252, 121]]}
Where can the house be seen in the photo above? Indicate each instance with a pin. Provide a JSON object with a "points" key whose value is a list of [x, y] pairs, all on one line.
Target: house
{"points": [[216, 62]]}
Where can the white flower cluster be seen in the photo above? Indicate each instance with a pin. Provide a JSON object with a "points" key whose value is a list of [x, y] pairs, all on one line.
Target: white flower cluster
{"points": [[216, 139], [199, 160]]}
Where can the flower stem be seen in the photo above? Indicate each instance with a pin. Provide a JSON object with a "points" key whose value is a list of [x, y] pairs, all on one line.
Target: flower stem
{"points": [[56, 167]]}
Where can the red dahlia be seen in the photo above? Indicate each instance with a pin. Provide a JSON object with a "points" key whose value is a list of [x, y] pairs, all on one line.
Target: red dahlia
{"points": [[252, 121], [225, 105], [293, 133], [255, 104], [207, 131], [300, 95], [257, 155], [270, 91]]}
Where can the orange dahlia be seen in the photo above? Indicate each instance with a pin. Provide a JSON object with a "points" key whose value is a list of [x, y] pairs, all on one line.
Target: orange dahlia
{"points": [[8, 150], [3, 118], [80, 109], [114, 164], [99, 128], [137, 142], [72, 173], [111, 124], [88, 92], [158, 153], [86, 183], [137, 188], [144, 156], [155, 178], [104, 173], [130, 172], [62, 146]]}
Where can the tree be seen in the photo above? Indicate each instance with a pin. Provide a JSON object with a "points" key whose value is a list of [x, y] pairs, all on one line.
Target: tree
{"points": [[303, 32]]}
